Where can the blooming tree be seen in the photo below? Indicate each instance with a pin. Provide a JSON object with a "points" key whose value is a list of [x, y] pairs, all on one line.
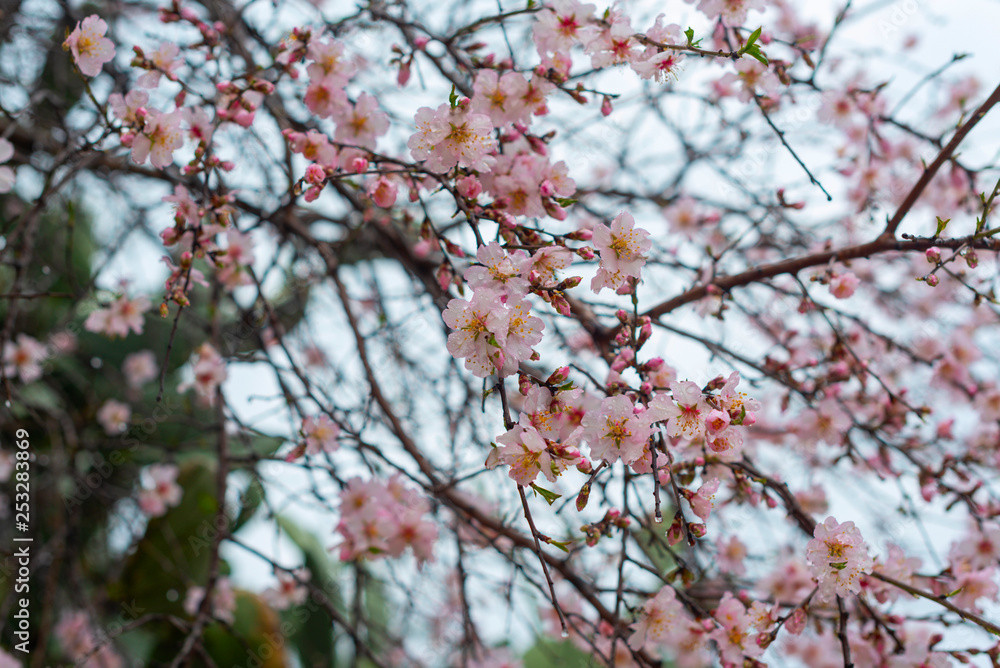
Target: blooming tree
{"points": [[767, 429]]}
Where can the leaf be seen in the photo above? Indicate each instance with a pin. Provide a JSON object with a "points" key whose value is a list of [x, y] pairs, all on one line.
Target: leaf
{"points": [[941, 224], [752, 39], [453, 97], [754, 52], [549, 496], [840, 565]]}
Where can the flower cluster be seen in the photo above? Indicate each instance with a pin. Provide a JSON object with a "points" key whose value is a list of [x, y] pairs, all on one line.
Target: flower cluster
{"points": [[119, 317], [837, 557], [163, 493], [382, 519]]}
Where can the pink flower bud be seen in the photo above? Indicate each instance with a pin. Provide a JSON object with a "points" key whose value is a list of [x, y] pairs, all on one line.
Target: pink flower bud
{"points": [[359, 165], [469, 187], [421, 42], [383, 193], [403, 77], [587, 253], [315, 174], [606, 106], [972, 259], [933, 280], [933, 254]]}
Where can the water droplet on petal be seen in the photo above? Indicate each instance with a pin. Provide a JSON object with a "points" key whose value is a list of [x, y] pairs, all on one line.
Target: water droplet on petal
{"points": [[658, 519]]}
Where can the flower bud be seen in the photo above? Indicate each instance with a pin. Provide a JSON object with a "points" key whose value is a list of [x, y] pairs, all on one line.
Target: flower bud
{"points": [[933, 254]]}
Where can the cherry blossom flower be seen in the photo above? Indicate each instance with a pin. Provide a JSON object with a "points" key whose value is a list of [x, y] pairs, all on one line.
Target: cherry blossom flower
{"points": [[917, 641], [361, 123], [448, 137], [90, 48], [897, 566], [164, 61], [114, 417], [524, 450], [732, 12], [234, 265], [561, 26], [165, 492], [480, 331], [161, 136], [321, 434], [837, 557], [209, 372], [126, 107], [843, 285], [502, 98], [223, 600], [7, 175], [290, 590], [622, 248], [729, 556], [119, 317], [329, 63], [735, 638], [524, 331], [499, 273], [660, 623], [979, 549], [684, 414], [613, 45], [754, 78], [384, 519], [79, 641], [24, 358], [615, 431], [701, 501]]}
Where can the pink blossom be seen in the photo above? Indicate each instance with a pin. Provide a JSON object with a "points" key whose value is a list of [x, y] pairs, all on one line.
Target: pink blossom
{"points": [[501, 97], [321, 434], [313, 145], [615, 431], [186, 211], [732, 12], [735, 638], [979, 549], [330, 62], [524, 450], [524, 331], [126, 108], [662, 67], [24, 358], [119, 317], [613, 45], [158, 140], [622, 248], [701, 502], [897, 566], [209, 372], [223, 602], [730, 555], [684, 414], [79, 641], [383, 192], [973, 585], [384, 519], [90, 48], [843, 286], [140, 368], [289, 591], [837, 557], [163, 494], [164, 61], [917, 641], [361, 123], [561, 26], [234, 265], [754, 78], [499, 273], [660, 623], [448, 137], [114, 416], [480, 332]]}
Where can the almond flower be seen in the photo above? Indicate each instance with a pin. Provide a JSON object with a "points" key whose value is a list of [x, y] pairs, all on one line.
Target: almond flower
{"points": [[114, 417], [158, 140], [24, 359], [139, 368], [685, 413], [621, 247], [499, 273], [119, 318], [453, 136], [480, 330], [837, 557], [661, 621], [165, 492], [615, 431], [290, 590], [223, 600], [209, 372], [321, 434], [90, 48]]}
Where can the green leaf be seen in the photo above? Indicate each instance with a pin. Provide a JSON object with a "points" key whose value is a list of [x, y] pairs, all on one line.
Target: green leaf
{"points": [[566, 201], [689, 33], [549, 496], [839, 565], [941, 224], [754, 52], [752, 39], [453, 98]]}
